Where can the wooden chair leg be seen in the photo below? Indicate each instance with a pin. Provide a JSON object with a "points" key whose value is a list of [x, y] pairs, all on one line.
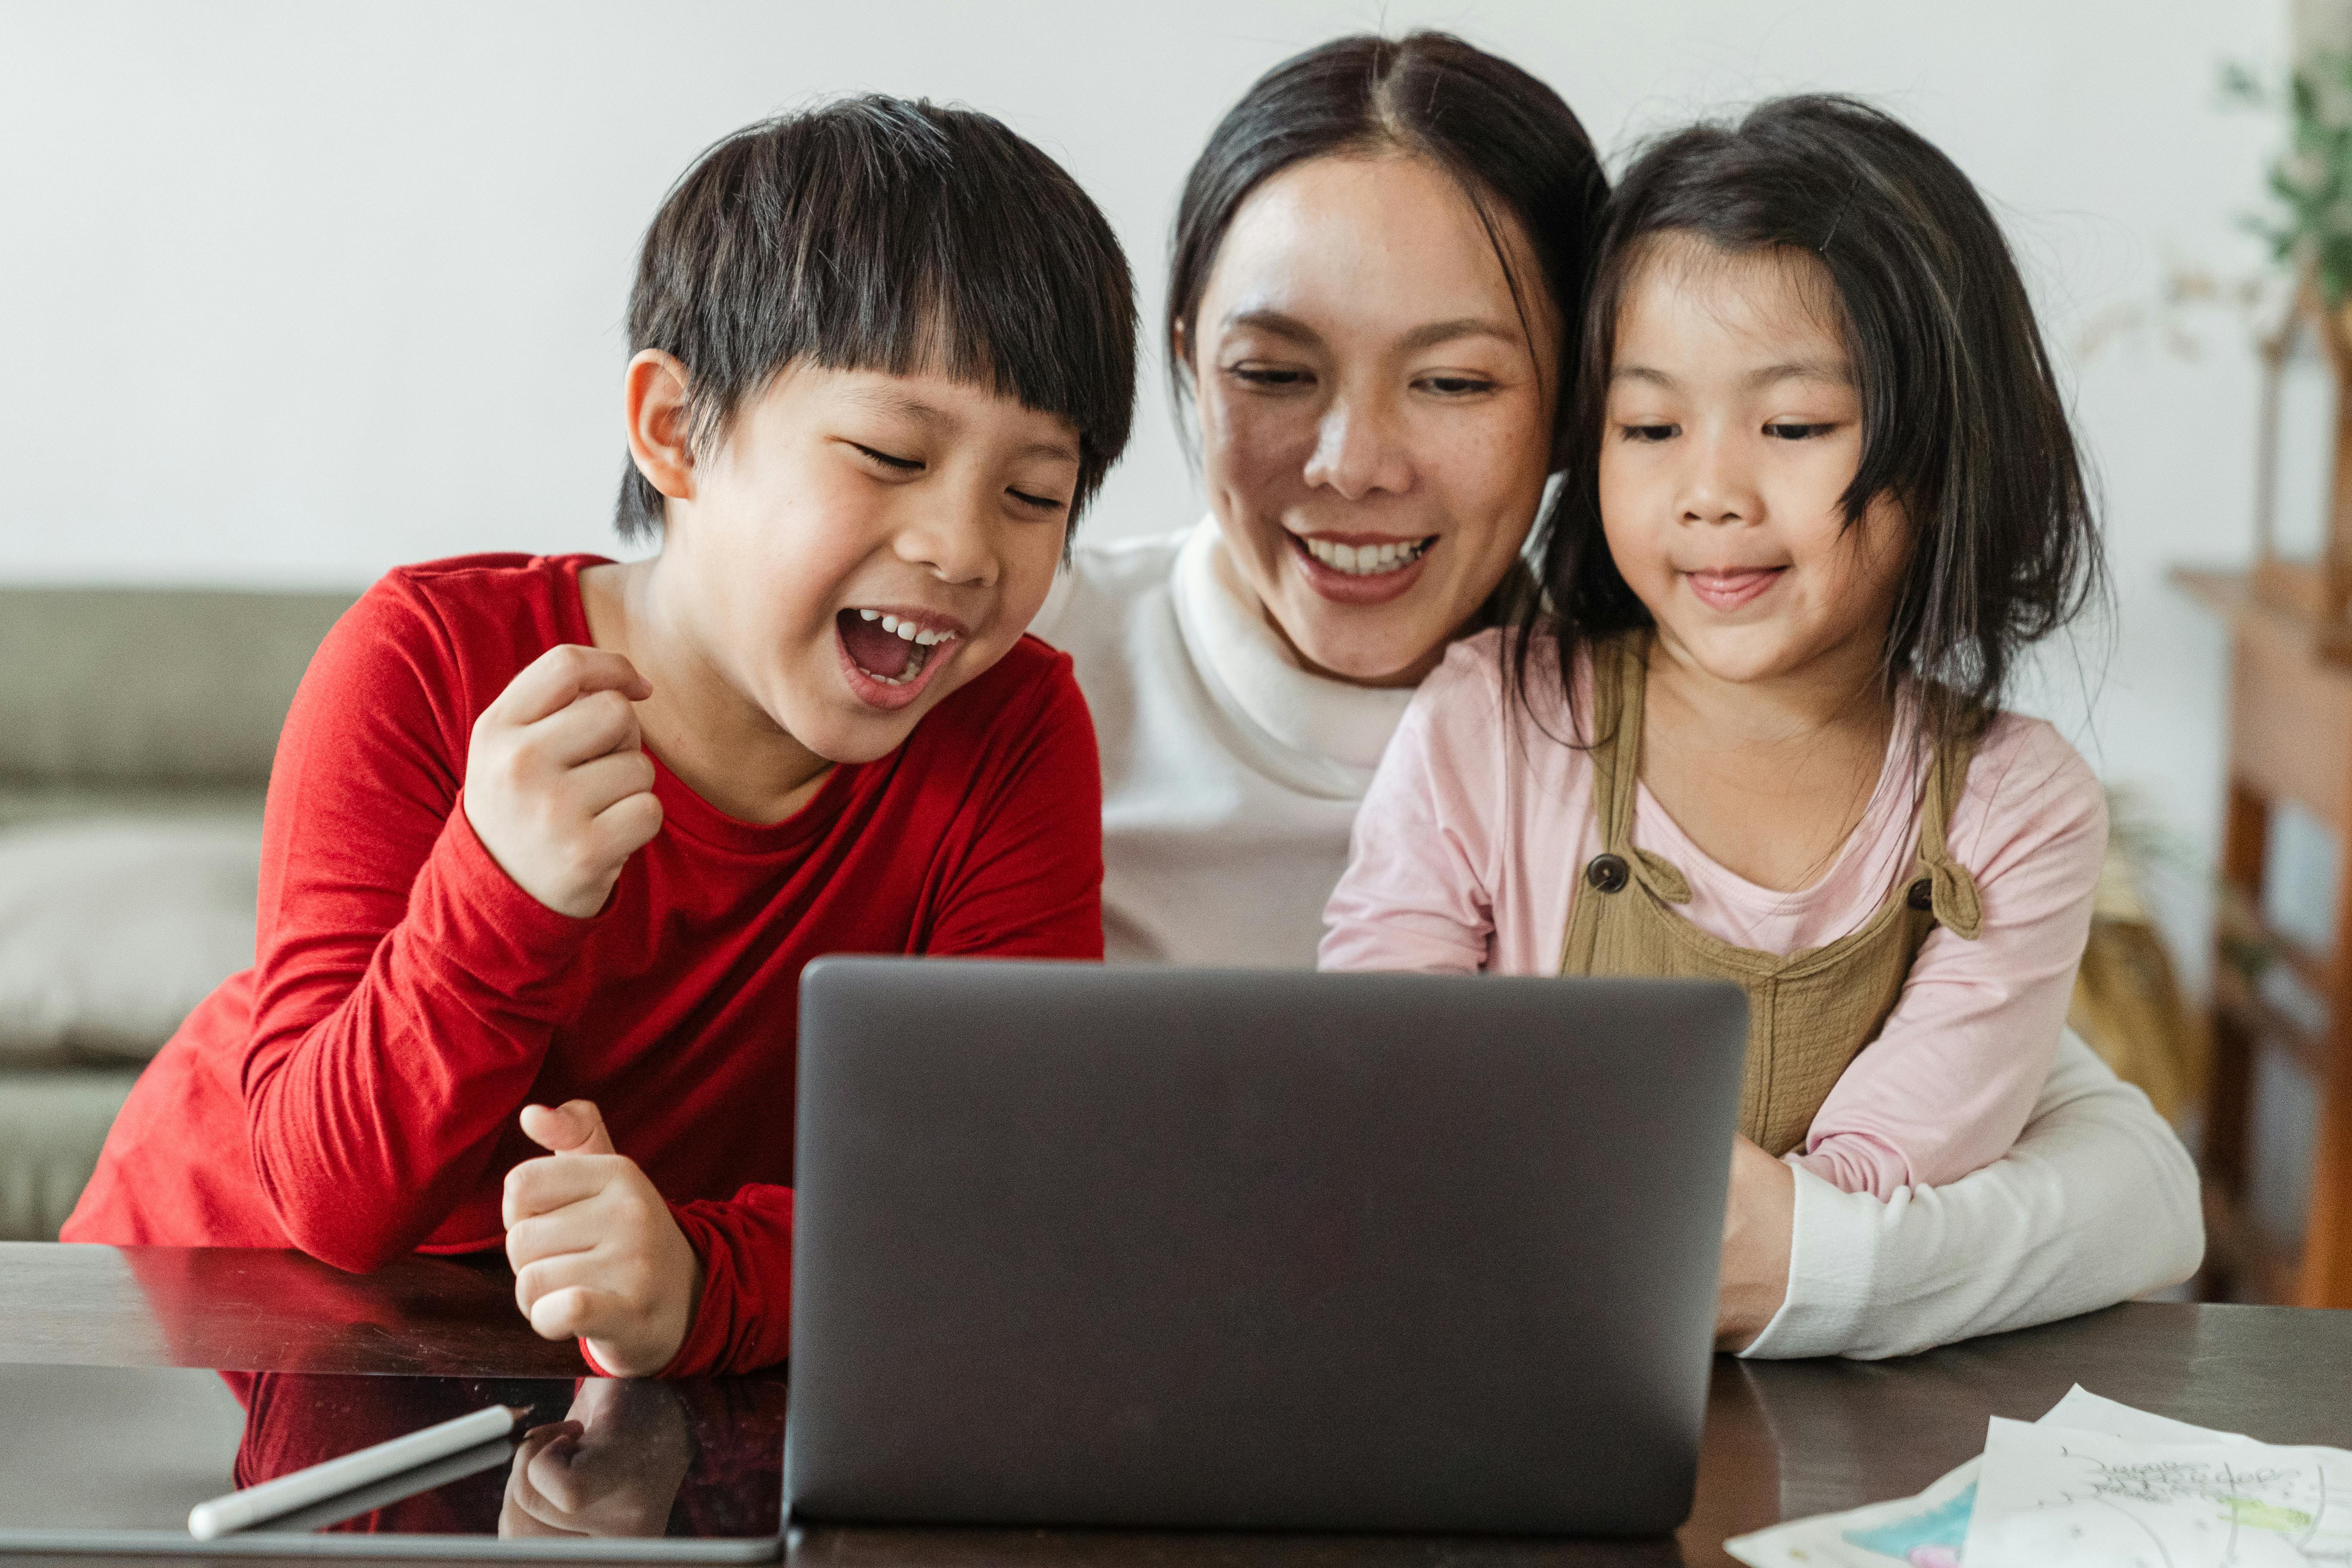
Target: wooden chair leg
{"points": [[2327, 1236], [2327, 1232], [2229, 1096]]}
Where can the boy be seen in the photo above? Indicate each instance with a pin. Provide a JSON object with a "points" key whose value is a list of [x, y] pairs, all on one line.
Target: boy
{"points": [[562, 830]]}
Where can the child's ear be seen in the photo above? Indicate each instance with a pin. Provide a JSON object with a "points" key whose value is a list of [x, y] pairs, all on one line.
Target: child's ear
{"points": [[653, 389]]}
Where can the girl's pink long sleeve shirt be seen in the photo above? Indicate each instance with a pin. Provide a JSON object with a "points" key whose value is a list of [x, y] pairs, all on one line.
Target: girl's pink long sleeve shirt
{"points": [[1468, 849]]}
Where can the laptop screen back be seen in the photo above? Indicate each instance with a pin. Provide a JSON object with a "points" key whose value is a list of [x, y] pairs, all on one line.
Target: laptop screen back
{"points": [[1083, 1245]]}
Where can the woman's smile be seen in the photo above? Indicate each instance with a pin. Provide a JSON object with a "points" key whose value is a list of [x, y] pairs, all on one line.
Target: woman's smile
{"points": [[1361, 568]]}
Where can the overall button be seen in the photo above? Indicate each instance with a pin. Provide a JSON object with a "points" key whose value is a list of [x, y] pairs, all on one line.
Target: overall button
{"points": [[1608, 873], [1922, 895]]}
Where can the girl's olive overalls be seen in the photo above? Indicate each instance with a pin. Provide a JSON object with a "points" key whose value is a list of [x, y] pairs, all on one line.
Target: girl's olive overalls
{"points": [[1809, 1012]]}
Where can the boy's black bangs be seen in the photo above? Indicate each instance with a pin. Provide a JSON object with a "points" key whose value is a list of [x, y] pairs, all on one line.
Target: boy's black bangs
{"points": [[874, 233]]}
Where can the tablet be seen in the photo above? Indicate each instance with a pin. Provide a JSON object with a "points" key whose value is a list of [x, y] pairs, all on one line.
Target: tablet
{"points": [[111, 1459]]}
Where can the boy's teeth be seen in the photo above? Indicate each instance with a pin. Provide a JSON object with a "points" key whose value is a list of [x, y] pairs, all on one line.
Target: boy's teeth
{"points": [[919, 641], [907, 629], [1365, 560]]}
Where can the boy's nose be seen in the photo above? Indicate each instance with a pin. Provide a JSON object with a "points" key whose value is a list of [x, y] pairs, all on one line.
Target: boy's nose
{"points": [[1357, 451], [955, 542]]}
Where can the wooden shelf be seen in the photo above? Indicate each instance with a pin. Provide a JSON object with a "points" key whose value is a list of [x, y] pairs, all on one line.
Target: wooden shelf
{"points": [[2290, 715], [2293, 596]]}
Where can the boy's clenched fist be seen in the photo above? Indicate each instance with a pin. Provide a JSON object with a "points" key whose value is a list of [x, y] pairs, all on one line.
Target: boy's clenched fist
{"points": [[558, 784], [596, 1252]]}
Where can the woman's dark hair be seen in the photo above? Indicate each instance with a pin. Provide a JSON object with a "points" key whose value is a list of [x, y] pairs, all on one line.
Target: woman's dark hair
{"points": [[876, 234], [1513, 146], [1962, 423]]}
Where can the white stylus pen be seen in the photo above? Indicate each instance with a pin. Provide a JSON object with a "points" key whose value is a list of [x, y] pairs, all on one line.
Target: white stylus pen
{"points": [[300, 1488]]}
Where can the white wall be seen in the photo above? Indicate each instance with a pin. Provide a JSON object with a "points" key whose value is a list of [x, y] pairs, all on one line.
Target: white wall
{"points": [[293, 292]]}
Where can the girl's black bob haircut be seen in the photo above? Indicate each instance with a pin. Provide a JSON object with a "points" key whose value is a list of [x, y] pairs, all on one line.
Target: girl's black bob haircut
{"points": [[1507, 139], [878, 234], [1962, 423]]}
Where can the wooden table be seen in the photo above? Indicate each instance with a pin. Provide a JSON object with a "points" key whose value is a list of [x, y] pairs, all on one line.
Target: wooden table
{"points": [[1783, 1439]]}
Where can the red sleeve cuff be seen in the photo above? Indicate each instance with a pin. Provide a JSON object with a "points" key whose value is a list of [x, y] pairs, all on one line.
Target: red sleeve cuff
{"points": [[466, 905], [744, 1322]]}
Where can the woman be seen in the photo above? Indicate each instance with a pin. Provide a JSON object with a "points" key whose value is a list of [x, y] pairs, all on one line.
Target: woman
{"points": [[1376, 262]]}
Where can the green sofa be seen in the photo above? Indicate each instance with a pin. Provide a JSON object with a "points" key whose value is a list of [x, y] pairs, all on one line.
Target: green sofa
{"points": [[135, 723]]}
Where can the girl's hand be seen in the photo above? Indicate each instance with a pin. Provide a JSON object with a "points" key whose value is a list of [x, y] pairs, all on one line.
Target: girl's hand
{"points": [[557, 785], [1759, 1223], [596, 1252]]}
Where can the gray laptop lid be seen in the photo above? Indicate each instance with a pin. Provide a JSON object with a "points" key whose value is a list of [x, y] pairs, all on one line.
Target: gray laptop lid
{"points": [[1089, 1245]]}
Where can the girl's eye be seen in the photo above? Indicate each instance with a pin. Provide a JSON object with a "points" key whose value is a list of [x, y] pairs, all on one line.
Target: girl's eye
{"points": [[1651, 432], [1042, 504], [1273, 378], [1457, 386], [1787, 431], [895, 465]]}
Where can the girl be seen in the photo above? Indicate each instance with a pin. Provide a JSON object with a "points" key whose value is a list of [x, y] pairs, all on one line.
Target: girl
{"points": [[1821, 492]]}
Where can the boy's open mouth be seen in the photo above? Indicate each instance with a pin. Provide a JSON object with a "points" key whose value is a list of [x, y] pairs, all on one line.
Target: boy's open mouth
{"points": [[889, 649]]}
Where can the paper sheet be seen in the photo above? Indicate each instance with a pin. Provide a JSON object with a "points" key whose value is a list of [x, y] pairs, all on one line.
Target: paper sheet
{"points": [[2051, 1495], [1923, 1531], [1930, 1529]]}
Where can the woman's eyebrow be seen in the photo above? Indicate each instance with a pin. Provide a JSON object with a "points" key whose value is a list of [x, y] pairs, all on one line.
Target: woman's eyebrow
{"points": [[1427, 336], [1436, 333], [1276, 323]]}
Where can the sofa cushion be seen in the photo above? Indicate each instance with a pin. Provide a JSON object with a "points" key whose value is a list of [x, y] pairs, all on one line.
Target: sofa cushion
{"points": [[151, 685], [112, 930]]}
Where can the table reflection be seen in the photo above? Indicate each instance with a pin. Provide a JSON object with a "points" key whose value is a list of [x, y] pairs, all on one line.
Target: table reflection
{"points": [[613, 1465], [597, 1457]]}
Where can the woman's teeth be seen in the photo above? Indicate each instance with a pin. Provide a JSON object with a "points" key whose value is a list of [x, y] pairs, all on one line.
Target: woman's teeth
{"points": [[1368, 560], [907, 629]]}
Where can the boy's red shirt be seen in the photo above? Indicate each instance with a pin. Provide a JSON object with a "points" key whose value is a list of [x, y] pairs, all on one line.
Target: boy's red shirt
{"points": [[354, 1094]]}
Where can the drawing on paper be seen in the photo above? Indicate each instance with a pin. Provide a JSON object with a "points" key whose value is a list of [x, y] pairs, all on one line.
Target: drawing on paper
{"points": [[2052, 1495], [1929, 1540]]}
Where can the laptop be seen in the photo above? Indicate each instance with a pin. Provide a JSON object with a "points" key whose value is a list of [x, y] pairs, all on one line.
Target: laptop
{"points": [[1089, 1245]]}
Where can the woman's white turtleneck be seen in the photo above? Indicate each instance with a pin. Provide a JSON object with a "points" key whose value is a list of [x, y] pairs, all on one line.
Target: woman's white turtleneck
{"points": [[1230, 775], [1230, 778]]}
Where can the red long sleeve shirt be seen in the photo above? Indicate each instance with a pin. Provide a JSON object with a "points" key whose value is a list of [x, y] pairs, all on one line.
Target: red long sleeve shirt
{"points": [[354, 1094]]}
